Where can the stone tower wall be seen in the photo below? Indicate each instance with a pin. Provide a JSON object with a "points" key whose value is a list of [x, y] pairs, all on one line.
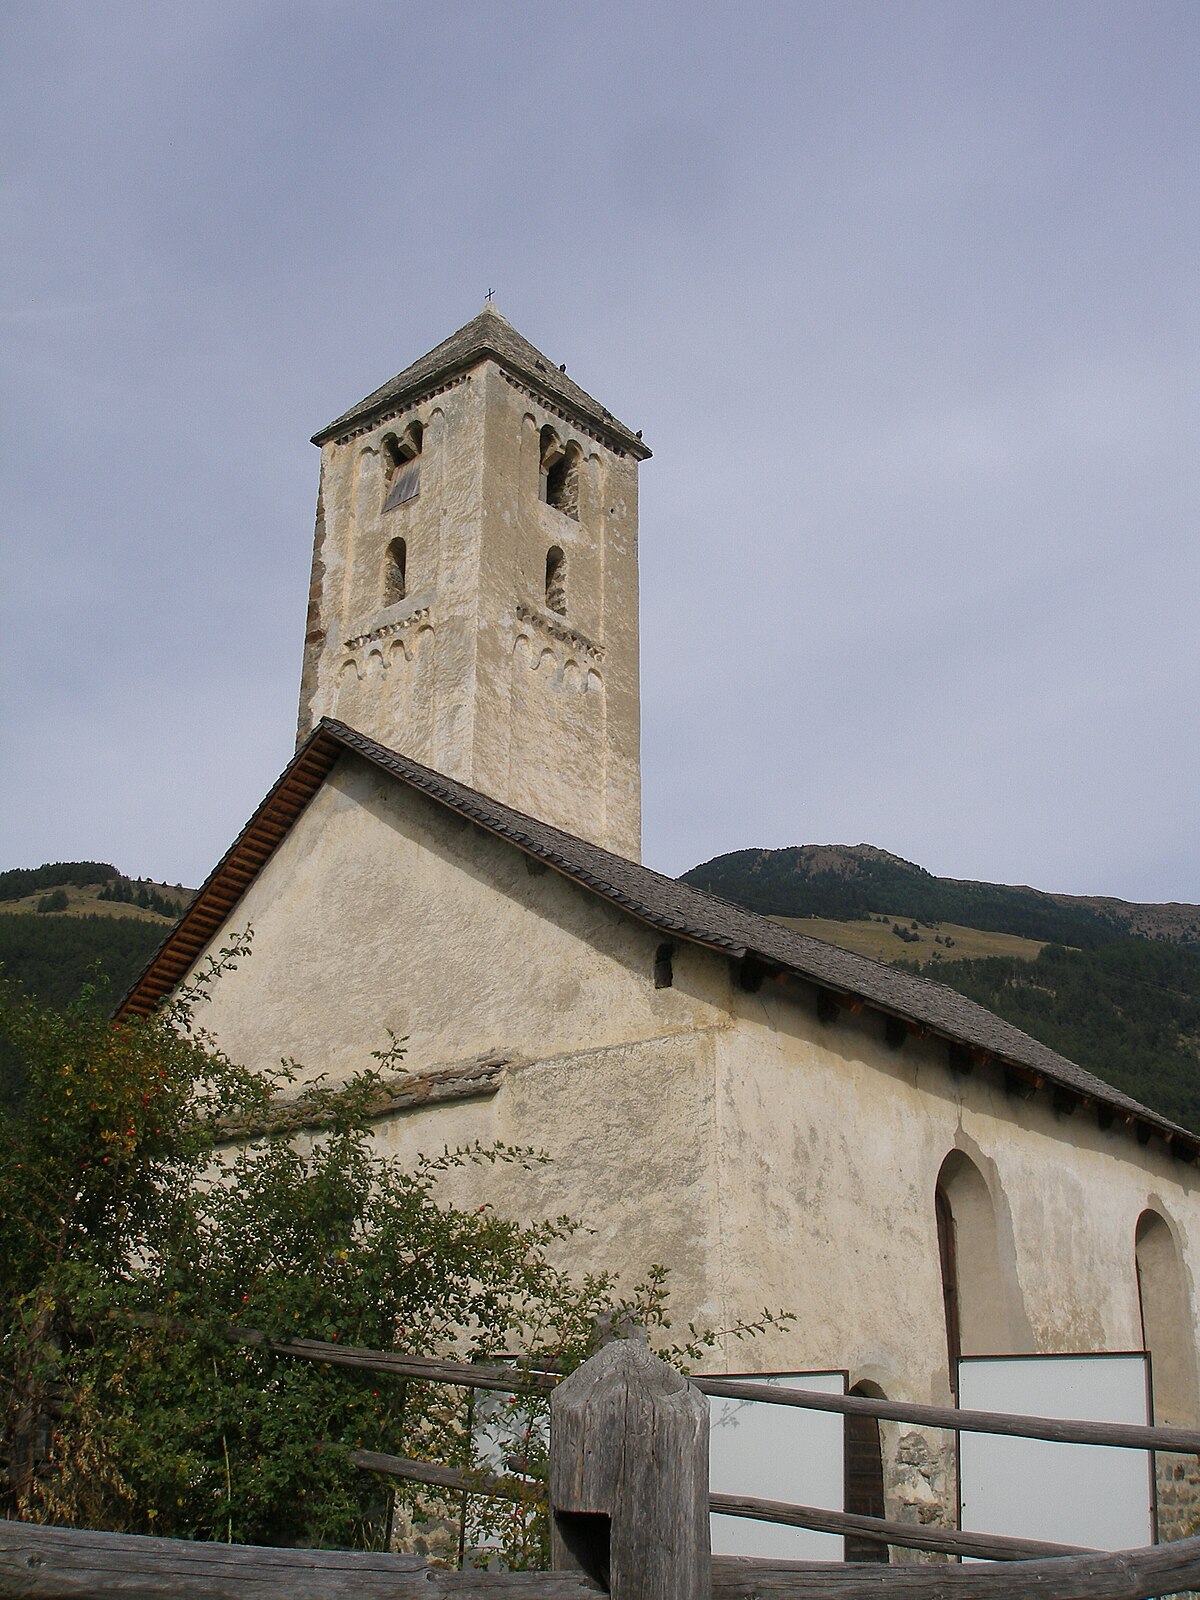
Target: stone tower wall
{"points": [[474, 672]]}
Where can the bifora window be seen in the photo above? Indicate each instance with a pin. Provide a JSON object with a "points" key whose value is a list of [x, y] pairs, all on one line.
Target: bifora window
{"points": [[560, 473], [402, 466]]}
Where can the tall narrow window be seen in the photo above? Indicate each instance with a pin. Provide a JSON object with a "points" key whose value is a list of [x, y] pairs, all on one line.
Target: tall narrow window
{"points": [[556, 581], [981, 1294], [402, 466], [395, 572], [863, 1458], [1167, 1323]]}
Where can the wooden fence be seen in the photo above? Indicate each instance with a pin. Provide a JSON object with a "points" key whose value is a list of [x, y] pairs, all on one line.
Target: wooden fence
{"points": [[629, 1508]]}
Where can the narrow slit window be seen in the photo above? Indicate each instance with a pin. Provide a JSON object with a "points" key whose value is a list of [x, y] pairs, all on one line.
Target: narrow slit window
{"points": [[664, 966], [395, 572], [556, 581]]}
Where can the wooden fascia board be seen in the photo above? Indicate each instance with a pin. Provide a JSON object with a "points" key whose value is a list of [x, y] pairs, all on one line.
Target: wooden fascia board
{"points": [[233, 875]]}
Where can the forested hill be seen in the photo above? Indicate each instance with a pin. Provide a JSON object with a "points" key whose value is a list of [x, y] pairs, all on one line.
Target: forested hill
{"points": [[852, 882], [70, 923], [1113, 985]]}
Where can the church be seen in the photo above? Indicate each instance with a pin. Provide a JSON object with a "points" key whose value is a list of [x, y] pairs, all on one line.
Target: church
{"points": [[454, 855]]}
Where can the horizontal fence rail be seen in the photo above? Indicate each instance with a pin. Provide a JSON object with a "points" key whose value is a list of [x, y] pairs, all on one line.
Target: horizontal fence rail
{"points": [[42, 1563], [913, 1536], [466, 1374], [1128, 1436], [525, 1380], [464, 1480], [1147, 1574]]}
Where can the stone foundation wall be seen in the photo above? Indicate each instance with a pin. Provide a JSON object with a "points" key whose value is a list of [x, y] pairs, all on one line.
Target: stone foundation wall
{"points": [[919, 1480], [1177, 1479], [919, 1483]]}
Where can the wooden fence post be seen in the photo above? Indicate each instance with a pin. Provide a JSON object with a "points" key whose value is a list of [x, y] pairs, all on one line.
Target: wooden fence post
{"points": [[629, 1476]]}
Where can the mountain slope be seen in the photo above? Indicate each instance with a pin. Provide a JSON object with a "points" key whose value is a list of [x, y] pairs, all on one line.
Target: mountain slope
{"points": [[850, 882]]}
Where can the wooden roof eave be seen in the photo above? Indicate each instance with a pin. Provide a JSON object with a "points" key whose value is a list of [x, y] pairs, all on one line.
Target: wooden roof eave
{"points": [[233, 875], [260, 838]]}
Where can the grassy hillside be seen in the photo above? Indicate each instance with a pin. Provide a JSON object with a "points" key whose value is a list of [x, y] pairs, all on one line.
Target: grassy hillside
{"points": [[71, 924], [1111, 984], [923, 944]]}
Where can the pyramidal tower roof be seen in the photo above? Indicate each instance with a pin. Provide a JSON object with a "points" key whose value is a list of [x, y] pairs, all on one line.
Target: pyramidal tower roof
{"points": [[489, 335]]}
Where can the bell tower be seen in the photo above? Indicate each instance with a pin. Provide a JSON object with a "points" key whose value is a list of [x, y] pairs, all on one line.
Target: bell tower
{"points": [[474, 598]]}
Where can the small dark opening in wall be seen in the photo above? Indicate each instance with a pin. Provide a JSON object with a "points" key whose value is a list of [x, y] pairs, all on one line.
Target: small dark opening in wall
{"points": [[828, 1010], [664, 966], [556, 581], [395, 572], [750, 975], [560, 473], [863, 1489], [588, 1536], [562, 485]]}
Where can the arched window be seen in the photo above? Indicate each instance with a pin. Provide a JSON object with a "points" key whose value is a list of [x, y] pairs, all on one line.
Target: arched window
{"points": [[402, 466], [863, 1467], [1168, 1330], [556, 581], [395, 572], [560, 473], [980, 1297]]}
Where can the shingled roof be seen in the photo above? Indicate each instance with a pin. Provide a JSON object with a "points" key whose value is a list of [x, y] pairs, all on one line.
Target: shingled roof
{"points": [[767, 949], [490, 334]]}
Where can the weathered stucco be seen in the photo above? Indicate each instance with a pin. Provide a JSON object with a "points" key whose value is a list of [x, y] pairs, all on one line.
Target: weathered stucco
{"points": [[765, 1156]]}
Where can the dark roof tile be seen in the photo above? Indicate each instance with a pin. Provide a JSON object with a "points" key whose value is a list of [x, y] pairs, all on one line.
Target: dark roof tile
{"points": [[662, 902], [488, 334]]}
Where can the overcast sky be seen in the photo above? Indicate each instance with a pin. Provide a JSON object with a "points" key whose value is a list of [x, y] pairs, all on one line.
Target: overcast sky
{"points": [[903, 295]]}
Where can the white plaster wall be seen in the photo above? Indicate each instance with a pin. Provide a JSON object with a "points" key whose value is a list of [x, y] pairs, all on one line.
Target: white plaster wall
{"points": [[830, 1145], [381, 910], [630, 1129], [820, 1145]]}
